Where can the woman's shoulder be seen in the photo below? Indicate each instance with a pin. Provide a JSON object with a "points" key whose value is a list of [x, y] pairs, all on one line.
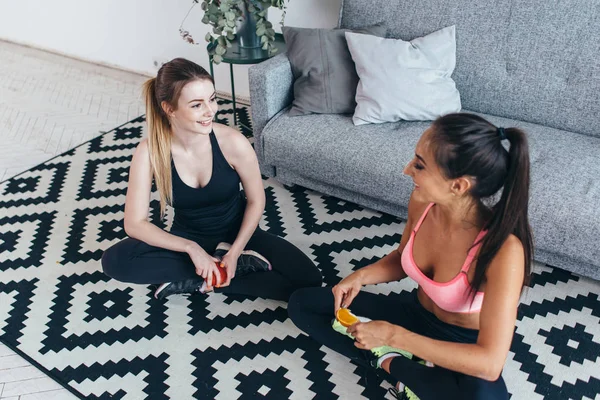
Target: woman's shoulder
{"points": [[225, 132], [231, 141], [143, 147], [509, 259], [512, 245]]}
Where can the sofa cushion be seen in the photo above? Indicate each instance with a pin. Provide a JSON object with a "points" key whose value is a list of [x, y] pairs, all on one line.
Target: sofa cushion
{"points": [[324, 73], [402, 80], [369, 160]]}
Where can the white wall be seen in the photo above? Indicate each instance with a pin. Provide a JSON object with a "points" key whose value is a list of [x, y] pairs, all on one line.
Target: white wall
{"points": [[132, 34]]}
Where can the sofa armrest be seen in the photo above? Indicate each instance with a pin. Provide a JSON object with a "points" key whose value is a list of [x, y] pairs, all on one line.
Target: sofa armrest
{"points": [[271, 90]]}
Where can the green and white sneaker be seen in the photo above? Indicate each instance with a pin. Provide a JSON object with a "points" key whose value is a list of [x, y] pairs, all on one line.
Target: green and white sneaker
{"points": [[401, 392], [383, 351], [378, 352], [339, 328]]}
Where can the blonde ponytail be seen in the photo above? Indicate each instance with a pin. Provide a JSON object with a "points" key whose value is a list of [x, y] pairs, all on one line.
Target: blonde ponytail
{"points": [[159, 145]]}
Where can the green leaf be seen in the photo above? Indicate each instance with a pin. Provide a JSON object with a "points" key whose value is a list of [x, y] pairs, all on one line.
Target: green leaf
{"points": [[204, 6], [264, 39], [217, 59], [225, 6], [220, 50], [230, 36], [208, 37], [231, 24], [230, 15], [260, 31], [205, 19], [265, 46], [222, 41], [271, 32]]}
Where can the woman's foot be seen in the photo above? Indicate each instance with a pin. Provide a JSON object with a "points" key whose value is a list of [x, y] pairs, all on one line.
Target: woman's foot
{"points": [[188, 286], [401, 392], [248, 262]]}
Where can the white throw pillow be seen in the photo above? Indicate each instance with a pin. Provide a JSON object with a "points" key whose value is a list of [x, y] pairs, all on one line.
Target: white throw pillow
{"points": [[404, 80]]}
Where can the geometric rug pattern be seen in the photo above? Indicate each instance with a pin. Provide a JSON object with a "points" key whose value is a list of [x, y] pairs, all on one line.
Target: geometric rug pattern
{"points": [[103, 339]]}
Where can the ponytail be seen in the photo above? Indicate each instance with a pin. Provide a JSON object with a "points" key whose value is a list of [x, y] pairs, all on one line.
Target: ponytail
{"points": [[159, 145], [509, 215], [469, 145]]}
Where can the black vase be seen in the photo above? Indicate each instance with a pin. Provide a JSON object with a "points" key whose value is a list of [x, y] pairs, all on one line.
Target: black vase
{"points": [[246, 30]]}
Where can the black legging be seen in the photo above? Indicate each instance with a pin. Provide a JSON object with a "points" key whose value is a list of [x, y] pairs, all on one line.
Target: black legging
{"points": [[134, 261], [311, 309]]}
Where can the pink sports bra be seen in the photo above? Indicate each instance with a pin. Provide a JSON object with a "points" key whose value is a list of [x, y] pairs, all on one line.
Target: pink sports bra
{"points": [[453, 296]]}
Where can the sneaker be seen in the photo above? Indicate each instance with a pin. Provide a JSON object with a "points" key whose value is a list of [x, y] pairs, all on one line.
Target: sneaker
{"points": [[248, 262], [339, 328], [401, 392], [187, 286], [382, 351]]}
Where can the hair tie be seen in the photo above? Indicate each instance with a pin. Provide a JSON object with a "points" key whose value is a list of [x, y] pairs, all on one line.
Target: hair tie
{"points": [[502, 134]]}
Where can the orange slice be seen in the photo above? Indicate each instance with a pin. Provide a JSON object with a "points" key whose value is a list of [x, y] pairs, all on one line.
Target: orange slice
{"points": [[345, 317]]}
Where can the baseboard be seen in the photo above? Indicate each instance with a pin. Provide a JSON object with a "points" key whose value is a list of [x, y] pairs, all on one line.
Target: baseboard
{"points": [[241, 99], [73, 57]]}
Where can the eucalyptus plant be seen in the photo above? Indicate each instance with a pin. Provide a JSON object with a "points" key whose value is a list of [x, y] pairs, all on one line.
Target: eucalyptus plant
{"points": [[222, 16]]}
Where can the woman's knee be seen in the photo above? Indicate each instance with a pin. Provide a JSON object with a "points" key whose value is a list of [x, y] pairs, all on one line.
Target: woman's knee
{"points": [[114, 260], [295, 303], [109, 261], [312, 276], [309, 300]]}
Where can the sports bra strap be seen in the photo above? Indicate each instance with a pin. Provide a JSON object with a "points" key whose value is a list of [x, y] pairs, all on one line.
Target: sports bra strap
{"points": [[423, 217], [472, 252]]}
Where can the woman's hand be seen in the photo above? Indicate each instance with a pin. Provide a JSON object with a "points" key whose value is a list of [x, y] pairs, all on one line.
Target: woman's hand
{"points": [[345, 291], [373, 334], [205, 265], [229, 262]]}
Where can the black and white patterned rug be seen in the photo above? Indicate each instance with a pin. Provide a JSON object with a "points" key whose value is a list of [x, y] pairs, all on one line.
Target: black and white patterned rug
{"points": [[103, 339]]}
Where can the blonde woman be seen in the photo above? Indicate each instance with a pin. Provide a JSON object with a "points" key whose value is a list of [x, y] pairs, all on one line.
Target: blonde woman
{"points": [[197, 166]]}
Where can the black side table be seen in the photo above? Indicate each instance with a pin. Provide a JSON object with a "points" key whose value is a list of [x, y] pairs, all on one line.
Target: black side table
{"points": [[241, 55]]}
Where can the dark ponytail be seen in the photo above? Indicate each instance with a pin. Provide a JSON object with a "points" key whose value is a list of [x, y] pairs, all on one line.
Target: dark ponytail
{"points": [[468, 145]]}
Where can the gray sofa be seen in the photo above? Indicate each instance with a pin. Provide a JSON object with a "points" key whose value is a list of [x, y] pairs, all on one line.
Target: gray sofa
{"points": [[527, 63]]}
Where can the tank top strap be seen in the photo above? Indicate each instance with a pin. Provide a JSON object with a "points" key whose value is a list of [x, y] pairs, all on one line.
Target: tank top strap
{"points": [[218, 158]]}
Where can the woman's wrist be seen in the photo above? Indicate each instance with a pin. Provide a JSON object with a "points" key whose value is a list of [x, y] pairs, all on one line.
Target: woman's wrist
{"points": [[397, 337], [361, 276], [235, 249], [191, 247]]}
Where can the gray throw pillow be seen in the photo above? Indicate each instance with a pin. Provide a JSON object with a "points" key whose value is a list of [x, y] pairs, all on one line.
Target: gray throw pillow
{"points": [[325, 78]]}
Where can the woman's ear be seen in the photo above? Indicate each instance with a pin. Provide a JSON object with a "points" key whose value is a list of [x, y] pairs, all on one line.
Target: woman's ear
{"points": [[461, 186], [167, 108]]}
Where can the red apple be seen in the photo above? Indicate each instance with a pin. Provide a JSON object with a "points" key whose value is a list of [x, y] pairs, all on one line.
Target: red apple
{"points": [[222, 275]]}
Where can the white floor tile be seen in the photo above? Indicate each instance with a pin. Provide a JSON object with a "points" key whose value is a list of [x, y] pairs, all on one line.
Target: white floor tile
{"points": [[5, 351], [30, 386], [61, 394], [13, 361], [20, 374]]}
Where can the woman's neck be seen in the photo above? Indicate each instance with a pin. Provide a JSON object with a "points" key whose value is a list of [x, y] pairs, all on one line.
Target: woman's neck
{"points": [[460, 215], [187, 141]]}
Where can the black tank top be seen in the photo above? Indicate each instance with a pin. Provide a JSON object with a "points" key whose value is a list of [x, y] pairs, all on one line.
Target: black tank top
{"points": [[213, 209]]}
